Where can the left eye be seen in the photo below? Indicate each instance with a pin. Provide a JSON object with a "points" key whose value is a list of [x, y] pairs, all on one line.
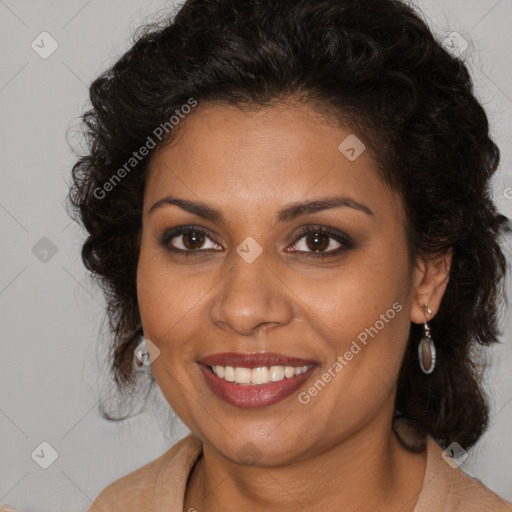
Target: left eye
{"points": [[321, 241]]}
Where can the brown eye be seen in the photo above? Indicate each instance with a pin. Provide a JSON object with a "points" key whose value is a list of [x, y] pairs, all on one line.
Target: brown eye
{"points": [[188, 240], [321, 242], [317, 241], [193, 240]]}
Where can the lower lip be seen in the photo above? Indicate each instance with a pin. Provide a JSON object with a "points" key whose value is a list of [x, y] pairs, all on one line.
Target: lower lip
{"points": [[246, 395]]}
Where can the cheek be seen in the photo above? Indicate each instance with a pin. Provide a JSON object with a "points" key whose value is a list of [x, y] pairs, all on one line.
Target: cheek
{"points": [[164, 300], [354, 298], [362, 312], [166, 308], [364, 322]]}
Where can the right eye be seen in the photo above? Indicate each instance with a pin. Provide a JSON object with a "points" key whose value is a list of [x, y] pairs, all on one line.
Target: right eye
{"points": [[187, 240]]}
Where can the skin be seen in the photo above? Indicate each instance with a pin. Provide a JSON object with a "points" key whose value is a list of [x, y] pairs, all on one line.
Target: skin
{"points": [[337, 452]]}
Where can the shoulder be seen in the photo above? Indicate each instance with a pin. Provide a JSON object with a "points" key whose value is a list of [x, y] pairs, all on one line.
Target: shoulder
{"points": [[140, 488], [450, 489]]}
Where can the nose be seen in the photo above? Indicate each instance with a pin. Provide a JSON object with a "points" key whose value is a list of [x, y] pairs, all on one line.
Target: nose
{"points": [[251, 298]]}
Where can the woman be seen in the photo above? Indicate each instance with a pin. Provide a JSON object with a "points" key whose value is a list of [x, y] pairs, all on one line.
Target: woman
{"points": [[289, 203]]}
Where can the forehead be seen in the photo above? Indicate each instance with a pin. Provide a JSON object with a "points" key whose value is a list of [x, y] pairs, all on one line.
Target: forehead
{"points": [[277, 154]]}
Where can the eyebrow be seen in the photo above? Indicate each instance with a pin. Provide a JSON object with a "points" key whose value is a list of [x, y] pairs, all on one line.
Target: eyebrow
{"points": [[286, 214]]}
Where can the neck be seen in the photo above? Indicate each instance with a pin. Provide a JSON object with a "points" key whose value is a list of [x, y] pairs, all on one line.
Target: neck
{"points": [[369, 470]]}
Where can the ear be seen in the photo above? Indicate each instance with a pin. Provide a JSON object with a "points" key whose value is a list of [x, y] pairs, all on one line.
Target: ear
{"points": [[430, 279]]}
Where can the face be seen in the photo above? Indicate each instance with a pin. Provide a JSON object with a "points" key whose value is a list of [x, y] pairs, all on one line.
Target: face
{"points": [[253, 274]]}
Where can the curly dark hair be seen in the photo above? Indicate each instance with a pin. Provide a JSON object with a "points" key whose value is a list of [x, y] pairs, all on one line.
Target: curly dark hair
{"points": [[375, 66]]}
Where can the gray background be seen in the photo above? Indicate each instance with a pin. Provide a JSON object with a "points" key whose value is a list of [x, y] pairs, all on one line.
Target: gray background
{"points": [[51, 315]]}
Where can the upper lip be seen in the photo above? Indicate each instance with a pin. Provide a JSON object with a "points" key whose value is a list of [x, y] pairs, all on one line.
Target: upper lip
{"points": [[254, 360]]}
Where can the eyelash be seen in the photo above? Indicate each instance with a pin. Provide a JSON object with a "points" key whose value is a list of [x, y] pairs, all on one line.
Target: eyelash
{"points": [[345, 241]]}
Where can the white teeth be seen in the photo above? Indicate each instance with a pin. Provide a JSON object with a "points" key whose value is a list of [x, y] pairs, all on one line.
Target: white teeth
{"points": [[242, 375], [276, 373], [219, 370], [260, 375], [229, 373], [289, 371], [300, 370]]}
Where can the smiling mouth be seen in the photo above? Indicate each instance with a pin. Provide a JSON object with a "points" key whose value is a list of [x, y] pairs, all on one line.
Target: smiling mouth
{"points": [[255, 379], [257, 376], [264, 392]]}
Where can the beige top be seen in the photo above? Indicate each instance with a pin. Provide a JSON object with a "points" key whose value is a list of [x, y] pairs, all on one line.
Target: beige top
{"points": [[160, 485]]}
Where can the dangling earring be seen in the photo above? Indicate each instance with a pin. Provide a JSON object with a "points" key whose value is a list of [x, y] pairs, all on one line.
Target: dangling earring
{"points": [[138, 353], [426, 347], [141, 357]]}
